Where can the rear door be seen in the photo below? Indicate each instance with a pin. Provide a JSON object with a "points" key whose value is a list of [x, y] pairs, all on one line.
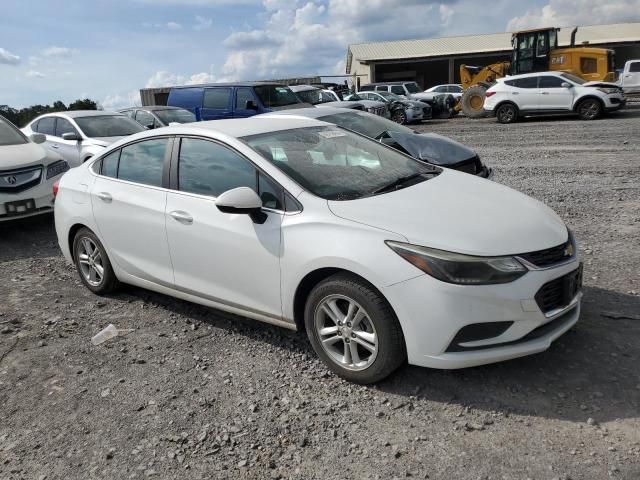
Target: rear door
{"points": [[47, 126], [553, 96], [216, 103], [525, 94], [128, 200]]}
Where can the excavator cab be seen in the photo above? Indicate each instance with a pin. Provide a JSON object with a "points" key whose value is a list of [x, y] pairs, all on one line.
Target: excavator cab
{"points": [[531, 49]]}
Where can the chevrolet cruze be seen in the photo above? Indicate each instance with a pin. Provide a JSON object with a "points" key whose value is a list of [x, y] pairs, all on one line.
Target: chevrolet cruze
{"points": [[305, 225]]}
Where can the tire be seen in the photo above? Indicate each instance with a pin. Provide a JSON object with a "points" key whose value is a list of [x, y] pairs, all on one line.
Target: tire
{"points": [[589, 109], [507, 113], [399, 116], [84, 244], [379, 344], [472, 102]]}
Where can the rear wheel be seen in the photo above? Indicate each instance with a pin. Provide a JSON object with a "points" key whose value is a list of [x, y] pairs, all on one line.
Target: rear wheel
{"points": [[472, 102], [589, 109], [92, 263], [353, 329], [399, 116], [507, 113]]}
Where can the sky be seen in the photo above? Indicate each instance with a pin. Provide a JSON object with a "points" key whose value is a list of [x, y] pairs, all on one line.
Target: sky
{"points": [[107, 50]]}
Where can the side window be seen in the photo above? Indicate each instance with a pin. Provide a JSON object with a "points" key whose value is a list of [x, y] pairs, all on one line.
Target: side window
{"points": [[397, 89], [365, 88], [34, 126], [145, 119], [527, 82], [634, 67], [550, 82], [243, 95], [130, 113], [64, 126], [588, 65], [47, 125], [207, 168], [216, 98], [109, 167], [441, 90], [143, 162], [270, 193], [381, 88]]}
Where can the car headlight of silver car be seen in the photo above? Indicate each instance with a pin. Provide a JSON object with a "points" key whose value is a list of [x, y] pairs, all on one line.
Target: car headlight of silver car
{"points": [[57, 168], [608, 91], [460, 269]]}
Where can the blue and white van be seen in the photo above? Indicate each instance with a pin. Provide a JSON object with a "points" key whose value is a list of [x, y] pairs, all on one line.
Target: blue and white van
{"points": [[233, 100]]}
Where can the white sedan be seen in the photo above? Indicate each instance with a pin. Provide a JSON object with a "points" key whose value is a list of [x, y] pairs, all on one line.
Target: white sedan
{"points": [[27, 173], [305, 225]]}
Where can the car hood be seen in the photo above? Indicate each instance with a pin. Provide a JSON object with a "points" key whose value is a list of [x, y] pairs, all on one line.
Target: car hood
{"points": [[415, 103], [369, 103], [460, 213], [102, 141], [291, 107], [433, 148], [422, 96], [25, 155], [341, 104], [601, 84]]}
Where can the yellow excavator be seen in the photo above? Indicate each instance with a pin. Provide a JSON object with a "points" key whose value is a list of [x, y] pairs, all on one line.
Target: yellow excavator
{"points": [[534, 51]]}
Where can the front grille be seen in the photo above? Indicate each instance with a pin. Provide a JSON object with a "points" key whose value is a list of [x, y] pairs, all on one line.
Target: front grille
{"points": [[426, 111], [380, 111], [550, 256], [560, 292], [467, 167], [15, 181]]}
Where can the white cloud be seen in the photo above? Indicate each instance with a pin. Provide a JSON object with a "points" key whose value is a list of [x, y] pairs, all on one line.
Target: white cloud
{"points": [[202, 77], [34, 74], [563, 13], [117, 101], [162, 78], [174, 26], [59, 52], [8, 58], [202, 23]]}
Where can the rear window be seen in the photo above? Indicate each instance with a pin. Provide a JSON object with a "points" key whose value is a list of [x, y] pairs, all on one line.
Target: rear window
{"points": [[276, 95], [528, 82]]}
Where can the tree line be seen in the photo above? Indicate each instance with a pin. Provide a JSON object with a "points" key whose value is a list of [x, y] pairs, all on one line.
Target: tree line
{"points": [[22, 116]]}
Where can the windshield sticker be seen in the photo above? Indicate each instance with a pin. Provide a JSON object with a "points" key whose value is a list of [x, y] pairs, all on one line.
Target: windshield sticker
{"points": [[332, 134]]}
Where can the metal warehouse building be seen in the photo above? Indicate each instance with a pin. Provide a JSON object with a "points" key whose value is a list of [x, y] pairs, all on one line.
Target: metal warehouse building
{"points": [[433, 61]]}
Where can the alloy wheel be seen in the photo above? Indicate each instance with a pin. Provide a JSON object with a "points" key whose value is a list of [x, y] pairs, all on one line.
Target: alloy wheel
{"points": [[346, 332], [507, 114], [589, 109], [90, 261]]}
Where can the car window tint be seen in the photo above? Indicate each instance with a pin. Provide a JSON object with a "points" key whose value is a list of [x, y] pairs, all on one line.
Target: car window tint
{"points": [[440, 89], [145, 118], [397, 89], [270, 193], [109, 166], [216, 98], [634, 67], [550, 82], [142, 162], [243, 95], [208, 168], [527, 82], [64, 126], [381, 88], [47, 125]]}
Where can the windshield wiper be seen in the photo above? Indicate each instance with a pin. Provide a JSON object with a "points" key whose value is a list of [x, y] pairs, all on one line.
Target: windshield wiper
{"points": [[399, 182]]}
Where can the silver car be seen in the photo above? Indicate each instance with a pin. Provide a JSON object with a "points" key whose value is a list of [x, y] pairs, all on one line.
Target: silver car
{"points": [[158, 116], [78, 135]]}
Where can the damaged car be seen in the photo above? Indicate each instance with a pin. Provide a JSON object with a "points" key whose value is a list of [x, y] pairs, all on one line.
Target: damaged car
{"points": [[428, 147]]}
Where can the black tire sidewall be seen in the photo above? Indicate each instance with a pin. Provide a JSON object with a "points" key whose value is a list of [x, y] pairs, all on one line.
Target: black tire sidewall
{"points": [[504, 107], [391, 353], [402, 116], [109, 280], [582, 102]]}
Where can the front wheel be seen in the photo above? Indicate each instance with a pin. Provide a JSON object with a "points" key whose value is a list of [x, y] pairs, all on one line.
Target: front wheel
{"points": [[353, 329], [507, 113], [92, 263], [399, 116], [589, 109]]}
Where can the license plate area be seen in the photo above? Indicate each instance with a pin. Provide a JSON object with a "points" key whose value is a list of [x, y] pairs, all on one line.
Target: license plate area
{"points": [[20, 207]]}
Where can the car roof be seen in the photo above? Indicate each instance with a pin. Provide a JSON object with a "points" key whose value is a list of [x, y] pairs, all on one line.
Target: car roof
{"points": [[231, 84], [399, 82], [81, 113], [312, 112], [151, 108], [535, 74], [303, 88]]}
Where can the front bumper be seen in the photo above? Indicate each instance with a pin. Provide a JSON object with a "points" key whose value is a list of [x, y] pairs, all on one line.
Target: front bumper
{"points": [[414, 115], [40, 197], [432, 313], [615, 103]]}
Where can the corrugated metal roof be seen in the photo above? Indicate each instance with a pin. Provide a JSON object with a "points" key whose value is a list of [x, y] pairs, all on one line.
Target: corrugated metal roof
{"points": [[493, 42]]}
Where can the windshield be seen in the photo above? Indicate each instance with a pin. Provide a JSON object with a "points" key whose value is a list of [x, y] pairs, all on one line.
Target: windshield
{"points": [[175, 116], [573, 78], [336, 164], [276, 95], [412, 87], [108, 126], [364, 123], [9, 134]]}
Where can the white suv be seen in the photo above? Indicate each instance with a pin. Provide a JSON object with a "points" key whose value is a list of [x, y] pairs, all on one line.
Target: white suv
{"points": [[551, 93]]}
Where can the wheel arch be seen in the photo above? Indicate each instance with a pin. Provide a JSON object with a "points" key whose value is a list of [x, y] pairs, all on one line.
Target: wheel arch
{"points": [[587, 97], [72, 234], [505, 102]]}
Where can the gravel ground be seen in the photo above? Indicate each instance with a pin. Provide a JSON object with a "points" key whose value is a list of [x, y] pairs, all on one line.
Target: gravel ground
{"points": [[195, 393]]}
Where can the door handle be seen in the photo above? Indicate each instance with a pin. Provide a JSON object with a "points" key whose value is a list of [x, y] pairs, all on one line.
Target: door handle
{"points": [[545, 93], [104, 196], [182, 217], [516, 93], [53, 145]]}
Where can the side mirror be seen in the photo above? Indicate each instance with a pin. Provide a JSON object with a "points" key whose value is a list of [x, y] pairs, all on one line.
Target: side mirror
{"points": [[242, 200], [566, 85], [250, 105], [71, 136], [38, 137], [150, 126]]}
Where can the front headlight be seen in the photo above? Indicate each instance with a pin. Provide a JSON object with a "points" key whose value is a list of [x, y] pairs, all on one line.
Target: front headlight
{"points": [[608, 91], [458, 268], [57, 168]]}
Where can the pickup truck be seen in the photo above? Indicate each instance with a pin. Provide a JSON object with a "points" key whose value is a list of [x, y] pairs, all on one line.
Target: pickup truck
{"points": [[629, 79]]}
